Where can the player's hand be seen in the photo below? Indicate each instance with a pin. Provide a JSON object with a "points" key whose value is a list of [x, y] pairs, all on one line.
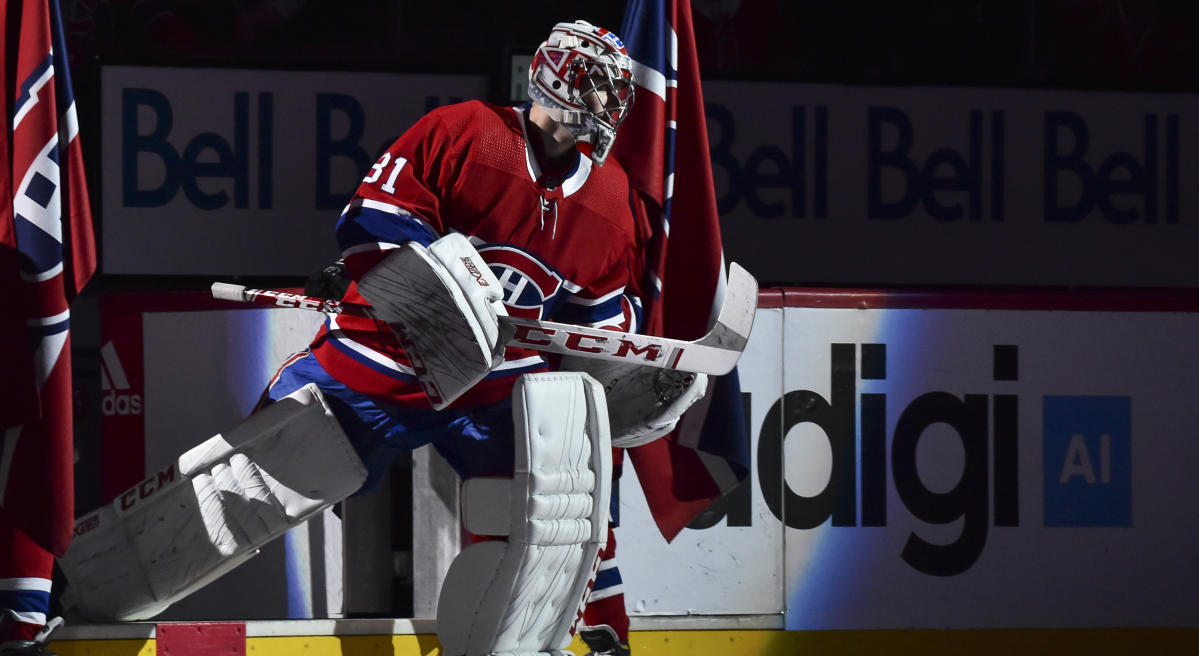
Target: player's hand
{"points": [[331, 282]]}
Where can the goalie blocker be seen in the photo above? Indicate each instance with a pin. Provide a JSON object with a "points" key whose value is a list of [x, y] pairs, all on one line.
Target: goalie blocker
{"points": [[210, 511], [443, 303]]}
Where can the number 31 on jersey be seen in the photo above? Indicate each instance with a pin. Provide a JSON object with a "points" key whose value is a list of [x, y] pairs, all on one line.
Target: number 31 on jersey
{"points": [[377, 171]]}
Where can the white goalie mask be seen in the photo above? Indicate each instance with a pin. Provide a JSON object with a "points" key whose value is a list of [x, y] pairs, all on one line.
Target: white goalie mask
{"points": [[583, 77]]}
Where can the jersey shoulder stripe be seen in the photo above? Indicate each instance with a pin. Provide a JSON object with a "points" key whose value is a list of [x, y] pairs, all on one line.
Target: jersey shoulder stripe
{"points": [[604, 312], [373, 222]]}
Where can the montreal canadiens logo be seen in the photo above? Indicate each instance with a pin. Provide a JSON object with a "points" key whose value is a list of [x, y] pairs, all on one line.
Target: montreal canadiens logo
{"points": [[528, 284]]}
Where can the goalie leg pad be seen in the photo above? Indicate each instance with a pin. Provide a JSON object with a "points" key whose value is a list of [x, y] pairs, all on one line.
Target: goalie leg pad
{"points": [[444, 304], [523, 595], [211, 510]]}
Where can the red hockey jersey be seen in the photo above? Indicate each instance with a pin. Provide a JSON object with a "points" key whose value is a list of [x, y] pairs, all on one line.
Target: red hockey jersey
{"points": [[565, 252]]}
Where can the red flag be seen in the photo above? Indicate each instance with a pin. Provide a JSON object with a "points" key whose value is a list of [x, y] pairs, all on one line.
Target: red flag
{"points": [[663, 145], [47, 253]]}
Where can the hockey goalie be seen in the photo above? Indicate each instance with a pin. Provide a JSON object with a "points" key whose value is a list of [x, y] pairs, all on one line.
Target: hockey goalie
{"points": [[476, 212]]}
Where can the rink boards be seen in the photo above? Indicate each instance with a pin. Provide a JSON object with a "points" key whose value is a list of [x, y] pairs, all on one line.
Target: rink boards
{"points": [[933, 473], [416, 638]]}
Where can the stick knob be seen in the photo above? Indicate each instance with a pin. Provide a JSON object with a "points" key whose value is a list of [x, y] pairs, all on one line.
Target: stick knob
{"points": [[228, 292]]}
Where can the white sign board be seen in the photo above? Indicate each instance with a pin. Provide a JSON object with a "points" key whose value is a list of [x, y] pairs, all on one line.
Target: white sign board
{"points": [[950, 468], [836, 185], [244, 172]]}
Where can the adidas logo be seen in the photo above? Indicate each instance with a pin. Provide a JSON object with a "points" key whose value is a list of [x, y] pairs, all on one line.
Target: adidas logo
{"points": [[118, 398]]}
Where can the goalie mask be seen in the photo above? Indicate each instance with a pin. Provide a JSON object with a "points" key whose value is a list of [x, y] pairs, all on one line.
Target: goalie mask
{"points": [[583, 77]]}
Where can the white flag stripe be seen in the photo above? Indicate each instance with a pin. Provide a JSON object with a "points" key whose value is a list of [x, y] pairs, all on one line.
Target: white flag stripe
{"points": [[44, 275], [650, 79], [48, 218], [49, 321], [674, 52], [46, 356], [71, 122], [32, 101]]}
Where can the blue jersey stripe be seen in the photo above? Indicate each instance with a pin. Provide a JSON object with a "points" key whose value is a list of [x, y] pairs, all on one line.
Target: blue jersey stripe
{"points": [[364, 225], [606, 578], [610, 311]]}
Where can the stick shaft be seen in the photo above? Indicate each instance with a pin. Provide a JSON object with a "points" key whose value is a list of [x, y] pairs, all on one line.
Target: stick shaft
{"points": [[699, 356], [273, 297]]}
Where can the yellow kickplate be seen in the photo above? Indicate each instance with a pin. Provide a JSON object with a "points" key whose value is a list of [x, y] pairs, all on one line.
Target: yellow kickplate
{"points": [[102, 647], [1092, 642]]}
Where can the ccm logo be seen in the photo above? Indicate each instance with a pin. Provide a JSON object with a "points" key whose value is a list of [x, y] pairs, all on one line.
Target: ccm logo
{"points": [[147, 488], [572, 341], [474, 271], [288, 300]]}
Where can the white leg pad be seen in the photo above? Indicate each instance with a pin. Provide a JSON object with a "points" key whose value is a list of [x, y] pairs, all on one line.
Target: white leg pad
{"points": [[211, 510], [523, 596]]}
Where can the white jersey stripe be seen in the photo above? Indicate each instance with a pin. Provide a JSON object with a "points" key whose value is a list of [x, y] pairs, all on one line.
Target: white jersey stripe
{"points": [[373, 246], [25, 583], [596, 595], [390, 208], [589, 302], [530, 361], [374, 356], [27, 617]]}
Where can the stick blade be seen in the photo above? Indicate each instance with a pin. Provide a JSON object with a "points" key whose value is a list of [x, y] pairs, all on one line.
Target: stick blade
{"points": [[718, 352], [740, 301], [711, 360]]}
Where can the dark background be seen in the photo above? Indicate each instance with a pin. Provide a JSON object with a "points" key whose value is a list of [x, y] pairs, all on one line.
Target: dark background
{"points": [[1137, 45], [1091, 44]]}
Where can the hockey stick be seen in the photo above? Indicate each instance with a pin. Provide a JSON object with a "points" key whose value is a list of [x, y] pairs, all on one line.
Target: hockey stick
{"points": [[715, 353]]}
